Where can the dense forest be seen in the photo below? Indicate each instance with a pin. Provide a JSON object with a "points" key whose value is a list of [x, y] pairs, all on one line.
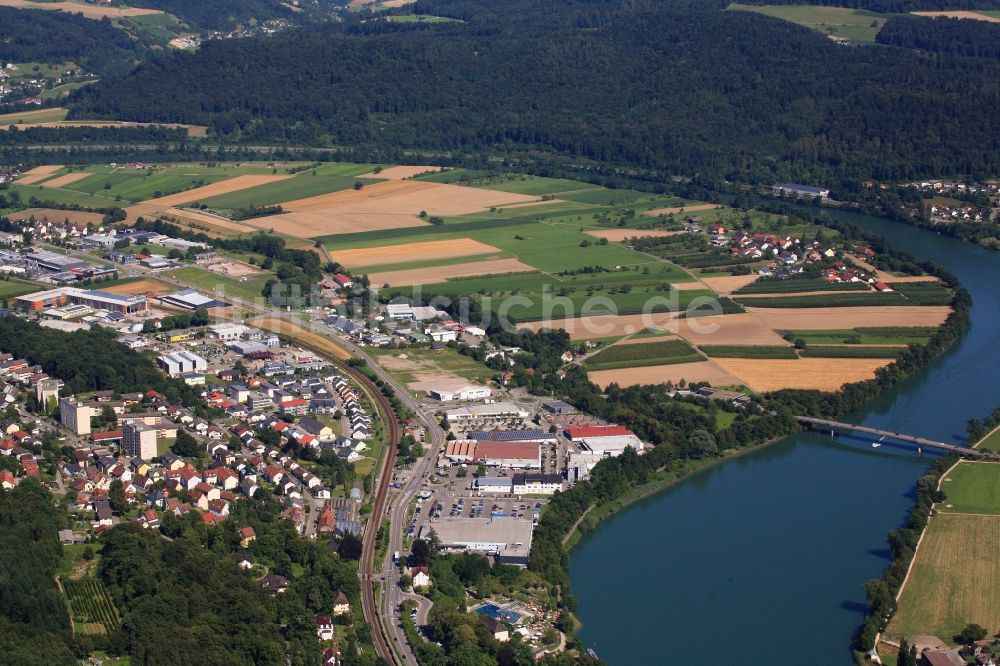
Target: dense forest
{"points": [[891, 6], [46, 36], [92, 135], [978, 39], [690, 91], [34, 624]]}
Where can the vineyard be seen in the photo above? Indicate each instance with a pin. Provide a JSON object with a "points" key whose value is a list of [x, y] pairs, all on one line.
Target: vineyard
{"points": [[90, 607]]}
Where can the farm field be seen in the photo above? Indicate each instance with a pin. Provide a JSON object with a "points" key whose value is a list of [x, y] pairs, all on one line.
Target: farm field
{"points": [[689, 208], [838, 23], [851, 351], [866, 336], [414, 276], [790, 319], [972, 487], [618, 235], [954, 579], [401, 172], [426, 251], [642, 354], [704, 371], [34, 116], [730, 329], [131, 287], [66, 179], [746, 351], [38, 174], [289, 188], [214, 189], [10, 289], [56, 215], [805, 373], [727, 284]]}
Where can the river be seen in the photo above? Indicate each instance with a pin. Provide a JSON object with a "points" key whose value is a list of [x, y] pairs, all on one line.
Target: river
{"points": [[762, 560]]}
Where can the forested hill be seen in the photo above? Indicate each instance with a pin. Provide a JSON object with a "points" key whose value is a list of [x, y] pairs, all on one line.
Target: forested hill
{"points": [[688, 91], [220, 14]]}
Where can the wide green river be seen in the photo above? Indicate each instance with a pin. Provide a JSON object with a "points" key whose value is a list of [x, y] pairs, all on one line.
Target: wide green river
{"points": [[761, 560]]}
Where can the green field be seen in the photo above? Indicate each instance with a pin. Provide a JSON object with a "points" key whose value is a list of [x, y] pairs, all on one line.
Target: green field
{"points": [[208, 281], [641, 354], [837, 22], [851, 351], [416, 364], [297, 187], [523, 184], [60, 196], [833, 300], [972, 487], [991, 442], [136, 186], [34, 116], [793, 285], [748, 351], [421, 18], [890, 335], [10, 289]]}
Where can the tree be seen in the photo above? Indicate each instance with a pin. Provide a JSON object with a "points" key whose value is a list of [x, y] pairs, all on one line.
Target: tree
{"points": [[186, 445], [420, 553], [350, 547], [907, 654], [970, 634]]}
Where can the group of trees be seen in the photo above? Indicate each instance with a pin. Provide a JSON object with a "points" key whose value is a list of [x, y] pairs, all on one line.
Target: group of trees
{"points": [[90, 360], [187, 591], [570, 81]]}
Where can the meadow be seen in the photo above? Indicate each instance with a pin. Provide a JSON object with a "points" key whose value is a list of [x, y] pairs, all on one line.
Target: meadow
{"points": [[889, 335], [249, 290], [270, 194], [35, 116], [972, 487], [853, 25]]}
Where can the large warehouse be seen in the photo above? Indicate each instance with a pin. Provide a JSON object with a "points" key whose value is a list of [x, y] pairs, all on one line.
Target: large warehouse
{"points": [[189, 299], [98, 300], [509, 539], [515, 455]]}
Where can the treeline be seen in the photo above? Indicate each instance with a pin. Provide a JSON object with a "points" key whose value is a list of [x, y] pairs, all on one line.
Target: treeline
{"points": [[91, 360], [268, 245], [570, 81], [187, 592], [34, 624], [97, 134], [951, 36], [47, 36], [893, 6], [881, 592]]}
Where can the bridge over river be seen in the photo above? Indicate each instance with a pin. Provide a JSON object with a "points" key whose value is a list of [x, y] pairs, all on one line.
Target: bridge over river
{"points": [[919, 442]]}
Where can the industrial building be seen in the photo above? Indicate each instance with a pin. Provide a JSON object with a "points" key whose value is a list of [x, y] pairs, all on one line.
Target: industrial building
{"points": [[533, 435], [57, 263], [496, 410], [515, 455], [609, 440], [507, 539], [537, 484], [796, 190], [448, 391], [139, 440], [189, 299], [178, 363], [92, 298]]}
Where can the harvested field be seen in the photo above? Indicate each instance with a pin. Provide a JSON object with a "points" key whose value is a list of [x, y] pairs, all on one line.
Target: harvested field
{"points": [[728, 283], [682, 209], [215, 189], [616, 235], [604, 326], [56, 215], [406, 278], [96, 12], [703, 371], [638, 340], [401, 172], [66, 179], [730, 329], [300, 335], [824, 374], [792, 319], [140, 287], [954, 580], [212, 220], [960, 15], [687, 286], [391, 204], [429, 251], [38, 173]]}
